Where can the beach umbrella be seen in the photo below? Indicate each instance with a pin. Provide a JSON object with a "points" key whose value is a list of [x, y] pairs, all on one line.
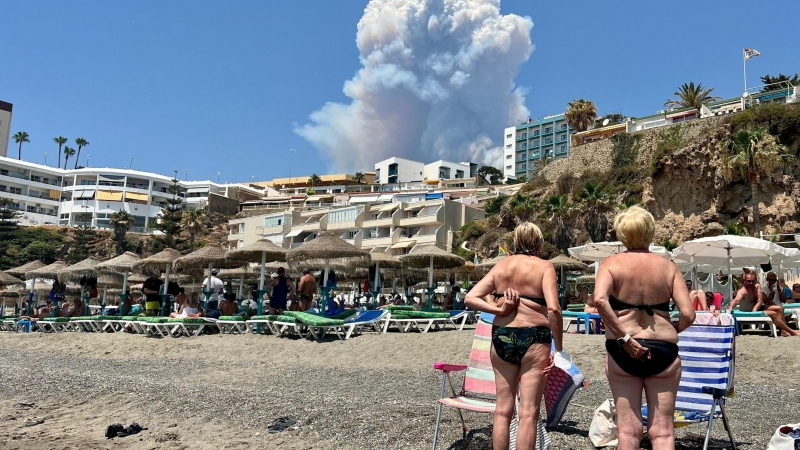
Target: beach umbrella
{"points": [[78, 271], [491, 262], [49, 272], [381, 259], [121, 264], [261, 251], [326, 246], [598, 251], [155, 264], [432, 256], [585, 279], [208, 256], [8, 280], [728, 250], [25, 268], [240, 273], [562, 263]]}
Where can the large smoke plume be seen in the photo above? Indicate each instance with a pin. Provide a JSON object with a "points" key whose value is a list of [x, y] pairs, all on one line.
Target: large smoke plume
{"points": [[437, 82]]}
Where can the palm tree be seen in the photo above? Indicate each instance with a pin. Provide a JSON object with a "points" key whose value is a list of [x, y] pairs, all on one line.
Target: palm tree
{"points": [[735, 229], [580, 114], [691, 96], [668, 244], [520, 208], [597, 203], [539, 164], [559, 209], [750, 154], [80, 142], [314, 180], [193, 221], [122, 221], [7, 213], [359, 177], [19, 138], [61, 140], [68, 151]]}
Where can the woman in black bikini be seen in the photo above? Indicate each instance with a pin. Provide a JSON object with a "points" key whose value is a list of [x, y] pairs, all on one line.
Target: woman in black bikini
{"points": [[632, 294], [527, 314]]}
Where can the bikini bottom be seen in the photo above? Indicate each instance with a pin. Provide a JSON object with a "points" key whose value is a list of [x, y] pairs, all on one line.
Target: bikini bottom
{"points": [[511, 344], [661, 356]]}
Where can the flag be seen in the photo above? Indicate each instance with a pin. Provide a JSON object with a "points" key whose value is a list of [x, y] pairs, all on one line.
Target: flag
{"points": [[750, 53], [502, 251], [476, 259]]}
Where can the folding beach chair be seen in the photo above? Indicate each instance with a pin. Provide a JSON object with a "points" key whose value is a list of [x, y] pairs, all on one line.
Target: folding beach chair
{"points": [[478, 392], [54, 324], [708, 360], [232, 325], [755, 318], [458, 318], [421, 321]]}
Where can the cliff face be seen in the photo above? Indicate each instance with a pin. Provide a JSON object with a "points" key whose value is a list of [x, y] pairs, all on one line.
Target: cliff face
{"points": [[682, 184]]}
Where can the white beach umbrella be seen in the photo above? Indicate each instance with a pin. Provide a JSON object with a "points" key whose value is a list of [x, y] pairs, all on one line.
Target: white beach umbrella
{"points": [[598, 251]]}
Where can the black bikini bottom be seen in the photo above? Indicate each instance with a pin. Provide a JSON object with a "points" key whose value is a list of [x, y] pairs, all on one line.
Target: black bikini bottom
{"points": [[511, 344], [662, 355]]}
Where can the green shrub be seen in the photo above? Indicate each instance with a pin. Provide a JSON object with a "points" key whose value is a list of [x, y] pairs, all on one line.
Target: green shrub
{"points": [[492, 206], [780, 120], [668, 141], [625, 149]]}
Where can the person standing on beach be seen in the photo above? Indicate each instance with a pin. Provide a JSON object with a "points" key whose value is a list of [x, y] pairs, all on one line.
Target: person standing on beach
{"points": [[216, 286], [150, 289], [632, 295], [281, 288], [306, 289], [521, 291]]}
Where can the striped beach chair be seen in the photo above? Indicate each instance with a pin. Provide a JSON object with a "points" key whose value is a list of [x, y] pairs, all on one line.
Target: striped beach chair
{"points": [[708, 360]]}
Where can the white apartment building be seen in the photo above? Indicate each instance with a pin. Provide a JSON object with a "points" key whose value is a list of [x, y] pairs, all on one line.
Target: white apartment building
{"points": [[394, 227], [5, 126], [89, 196], [398, 170]]}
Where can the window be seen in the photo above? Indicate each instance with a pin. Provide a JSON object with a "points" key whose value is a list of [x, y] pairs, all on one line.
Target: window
{"points": [[548, 141], [548, 130], [535, 133], [562, 149], [508, 167], [523, 167], [508, 146], [524, 147], [347, 215], [508, 136], [271, 222], [563, 138], [563, 127], [508, 156], [90, 183], [535, 143]]}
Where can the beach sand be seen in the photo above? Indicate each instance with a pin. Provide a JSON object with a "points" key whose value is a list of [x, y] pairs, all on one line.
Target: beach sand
{"points": [[371, 392]]}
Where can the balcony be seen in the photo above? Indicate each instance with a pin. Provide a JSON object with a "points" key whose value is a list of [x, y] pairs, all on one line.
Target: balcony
{"points": [[387, 219], [347, 224], [422, 220], [522, 137], [14, 174], [423, 239], [44, 196], [313, 224]]}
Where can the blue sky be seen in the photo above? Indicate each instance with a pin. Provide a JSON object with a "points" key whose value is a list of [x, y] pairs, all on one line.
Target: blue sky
{"points": [[218, 86]]}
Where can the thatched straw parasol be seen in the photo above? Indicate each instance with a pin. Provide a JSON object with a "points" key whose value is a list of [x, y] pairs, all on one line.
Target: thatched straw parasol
{"points": [[8, 280], [162, 260], [79, 270], [433, 257], [326, 246], [489, 263], [25, 268], [566, 263], [260, 251], [585, 279], [137, 278], [209, 256], [49, 272], [121, 264]]}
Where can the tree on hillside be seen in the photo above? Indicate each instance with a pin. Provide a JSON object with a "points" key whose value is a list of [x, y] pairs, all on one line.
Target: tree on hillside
{"points": [[733, 228], [122, 221], [314, 180], [538, 165], [80, 142], [596, 204], [752, 153], [20, 137], [580, 114], [782, 79], [613, 119], [194, 221], [68, 151], [169, 222], [691, 96], [61, 140], [359, 177], [558, 208], [7, 213], [489, 173], [520, 208]]}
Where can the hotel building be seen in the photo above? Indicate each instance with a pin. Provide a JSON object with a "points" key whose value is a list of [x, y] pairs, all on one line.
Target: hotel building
{"points": [[527, 143]]}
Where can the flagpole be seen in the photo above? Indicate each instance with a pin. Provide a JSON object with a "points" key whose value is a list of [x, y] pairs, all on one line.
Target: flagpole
{"points": [[744, 63]]}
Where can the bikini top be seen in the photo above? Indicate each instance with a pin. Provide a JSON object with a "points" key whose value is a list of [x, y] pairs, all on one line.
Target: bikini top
{"points": [[617, 305], [537, 300]]}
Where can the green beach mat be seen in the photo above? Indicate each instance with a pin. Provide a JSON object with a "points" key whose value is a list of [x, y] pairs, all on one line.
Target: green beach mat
{"points": [[187, 320], [232, 318], [55, 319], [340, 316], [400, 308], [749, 314], [315, 320], [84, 318], [273, 317], [152, 319], [420, 315]]}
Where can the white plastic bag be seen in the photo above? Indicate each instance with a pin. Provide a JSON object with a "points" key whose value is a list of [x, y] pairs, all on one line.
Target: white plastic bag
{"points": [[603, 430], [782, 440]]}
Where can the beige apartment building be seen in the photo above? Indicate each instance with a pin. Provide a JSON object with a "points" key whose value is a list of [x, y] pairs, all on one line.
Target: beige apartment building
{"points": [[388, 227]]}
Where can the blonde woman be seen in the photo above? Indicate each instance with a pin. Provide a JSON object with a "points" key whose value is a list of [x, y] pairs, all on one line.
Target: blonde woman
{"points": [[521, 292], [632, 294], [188, 309]]}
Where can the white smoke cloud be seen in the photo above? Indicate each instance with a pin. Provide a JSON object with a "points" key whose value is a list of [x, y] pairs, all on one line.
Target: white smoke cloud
{"points": [[437, 82]]}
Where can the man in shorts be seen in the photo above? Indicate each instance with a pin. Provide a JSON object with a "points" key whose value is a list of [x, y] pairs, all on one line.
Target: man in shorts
{"points": [[150, 289], [281, 288], [753, 297], [307, 288]]}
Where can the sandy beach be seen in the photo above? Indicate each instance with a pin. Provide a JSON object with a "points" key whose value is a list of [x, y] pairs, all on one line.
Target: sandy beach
{"points": [[371, 392]]}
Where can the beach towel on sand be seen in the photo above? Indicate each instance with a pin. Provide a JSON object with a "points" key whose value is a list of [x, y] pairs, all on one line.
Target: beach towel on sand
{"points": [[560, 385]]}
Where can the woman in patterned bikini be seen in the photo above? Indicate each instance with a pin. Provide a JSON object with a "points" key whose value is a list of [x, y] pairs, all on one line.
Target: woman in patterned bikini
{"points": [[522, 293]]}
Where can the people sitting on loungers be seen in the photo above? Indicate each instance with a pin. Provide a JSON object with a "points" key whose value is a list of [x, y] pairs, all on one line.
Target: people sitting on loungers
{"points": [[229, 306], [44, 311], [189, 309], [181, 298], [697, 296], [448, 302], [795, 293], [753, 297]]}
